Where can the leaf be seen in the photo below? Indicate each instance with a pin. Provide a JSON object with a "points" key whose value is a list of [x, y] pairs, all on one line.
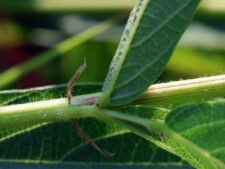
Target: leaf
{"points": [[11, 97], [58, 143], [194, 132], [70, 165], [151, 34], [201, 127]]}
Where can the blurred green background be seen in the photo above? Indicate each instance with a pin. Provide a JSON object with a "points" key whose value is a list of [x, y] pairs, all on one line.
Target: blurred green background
{"points": [[28, 28]]}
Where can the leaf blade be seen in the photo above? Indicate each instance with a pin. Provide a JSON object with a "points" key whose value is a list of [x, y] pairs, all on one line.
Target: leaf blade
{"points": [[201, 146], [133, 68], [198, 123], [119, 57], [54, 143]]}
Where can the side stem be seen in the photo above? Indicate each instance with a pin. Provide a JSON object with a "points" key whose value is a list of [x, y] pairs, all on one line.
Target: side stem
{"points": [[183, 91]]}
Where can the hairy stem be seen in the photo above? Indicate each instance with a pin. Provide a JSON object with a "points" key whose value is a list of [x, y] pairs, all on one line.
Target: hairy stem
{"points": [[183, 91], [43, 111], [82, 106]]}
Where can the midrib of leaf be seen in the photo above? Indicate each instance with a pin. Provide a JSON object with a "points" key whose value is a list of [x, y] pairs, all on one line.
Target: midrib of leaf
{"points": [[204, 125], [218, 150], [12, 99], [182, 141], [209, 116], [197, 149], [136, 124], [118, 60]]}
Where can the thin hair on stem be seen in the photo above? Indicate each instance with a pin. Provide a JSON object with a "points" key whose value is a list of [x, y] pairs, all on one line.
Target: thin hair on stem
{"points": [[73, 80], [82, 135], [89, 140]]}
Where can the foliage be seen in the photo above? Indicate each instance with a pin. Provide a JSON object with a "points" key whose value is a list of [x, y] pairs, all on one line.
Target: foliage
{"points": [[35, 125]]}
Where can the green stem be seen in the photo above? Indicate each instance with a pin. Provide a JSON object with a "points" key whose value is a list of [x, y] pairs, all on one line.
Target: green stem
{"points": [[130, 121], [183, 91], [141, 126], [14, 73], [145, 128], [43, 111], [158, 94]]}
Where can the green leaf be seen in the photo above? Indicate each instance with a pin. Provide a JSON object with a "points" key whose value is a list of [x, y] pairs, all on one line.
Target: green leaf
{"points": [[58, 143], [11, 97], [75, 165], [151, 34], [201, 128], [194, 132]]}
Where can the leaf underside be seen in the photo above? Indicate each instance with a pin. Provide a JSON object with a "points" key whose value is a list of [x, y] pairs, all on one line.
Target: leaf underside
{"points": [[202, 124], [195, 128], [194, 132], [77, 165], [58, 143], [146, 46]]}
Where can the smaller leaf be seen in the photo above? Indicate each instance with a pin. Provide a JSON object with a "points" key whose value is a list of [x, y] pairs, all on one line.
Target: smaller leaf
{"points": [[149, 38]]}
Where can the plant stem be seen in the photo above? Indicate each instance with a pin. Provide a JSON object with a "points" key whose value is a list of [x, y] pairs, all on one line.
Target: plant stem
{"points": [[183, 91], [44, 111], [82, 106], [14, 73], [141, 126]]}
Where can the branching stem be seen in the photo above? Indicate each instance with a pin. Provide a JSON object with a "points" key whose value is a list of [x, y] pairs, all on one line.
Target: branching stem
{"points": [[82, 106]]}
